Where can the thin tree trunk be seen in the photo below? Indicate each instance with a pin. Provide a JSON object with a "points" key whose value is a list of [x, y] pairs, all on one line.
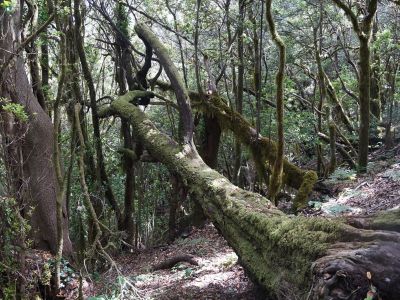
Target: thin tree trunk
{"points": [[196, 48], [61, 179], [102, 176], [364, 96], [332, 143], [363, 31], [276, 176], [240, 87]]}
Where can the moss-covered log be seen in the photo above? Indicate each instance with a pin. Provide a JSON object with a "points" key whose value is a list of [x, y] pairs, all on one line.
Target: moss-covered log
{"points": [[264, 150], [291, 257]]}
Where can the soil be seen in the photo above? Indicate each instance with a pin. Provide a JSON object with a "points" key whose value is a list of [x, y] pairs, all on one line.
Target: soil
{"points": [[217, 276]]}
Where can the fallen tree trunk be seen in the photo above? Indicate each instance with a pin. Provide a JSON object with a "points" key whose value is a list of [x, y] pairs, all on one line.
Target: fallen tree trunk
{"points": [[264, 150], [290, 257]]}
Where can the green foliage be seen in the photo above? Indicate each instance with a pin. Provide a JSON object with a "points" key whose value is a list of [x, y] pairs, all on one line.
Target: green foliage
{"points": [[122, 19], [8, 5], [43, 14], [188, 273], [384, 41], [16, 109], [13, 230], [67, 274], [46, 274], [296, 129]]}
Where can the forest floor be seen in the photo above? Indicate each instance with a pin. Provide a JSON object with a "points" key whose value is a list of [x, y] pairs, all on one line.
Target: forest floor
{"points": [[352, 194], [217, 275], [214, 272]]}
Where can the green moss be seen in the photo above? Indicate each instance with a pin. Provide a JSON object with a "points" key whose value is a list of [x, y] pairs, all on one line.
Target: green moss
{"points": [[279, 250], [309, 179], [276, 249], [387, 221], [263, 150]]}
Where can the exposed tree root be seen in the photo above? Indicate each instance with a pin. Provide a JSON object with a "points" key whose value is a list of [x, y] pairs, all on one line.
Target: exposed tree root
{"points": [[172, 261]]}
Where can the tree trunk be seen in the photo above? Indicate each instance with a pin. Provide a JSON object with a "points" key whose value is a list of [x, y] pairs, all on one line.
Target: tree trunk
{"points": [[37, 147], [276, 175], [263, 149], [210, 141], [363, 31], [278, 250], [239, 92], [101, 174], [364, 96]]}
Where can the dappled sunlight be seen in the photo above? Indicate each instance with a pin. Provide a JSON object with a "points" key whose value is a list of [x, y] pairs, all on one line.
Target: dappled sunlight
{"points": [[216, 278]]}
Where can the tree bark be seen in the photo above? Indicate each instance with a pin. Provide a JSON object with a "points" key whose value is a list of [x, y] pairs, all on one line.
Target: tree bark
{"points": [[239, 91], [277, 250], [37, 146], [182, 97], [101, 174], [263, 149], [363, 31], [364, 96], [276, 175]]}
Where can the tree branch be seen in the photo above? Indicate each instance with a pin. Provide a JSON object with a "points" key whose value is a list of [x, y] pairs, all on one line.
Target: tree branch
{"points": [[182, 96], [24, 43], [350, 14]]}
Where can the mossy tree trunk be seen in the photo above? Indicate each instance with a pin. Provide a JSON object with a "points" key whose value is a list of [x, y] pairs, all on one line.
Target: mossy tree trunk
{"points": [[291, 257], [363, 31], [318, 38], [264, 150], [276, 175], [375, 90], [123, 76], [364, 95], [332, 146], [101, 174]]}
